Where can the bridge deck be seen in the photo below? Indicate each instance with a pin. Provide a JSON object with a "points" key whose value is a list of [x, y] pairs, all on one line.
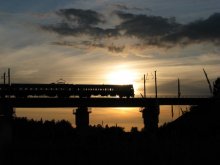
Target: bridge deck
{"points": [[100, 102]]}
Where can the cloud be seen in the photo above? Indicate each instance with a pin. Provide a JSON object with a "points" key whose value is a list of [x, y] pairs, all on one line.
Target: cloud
{"points": [[144, 26], [78, 22], [198, 31], [125, 6], [82, 17], [149, 30], [159, 31], [116, 49]]}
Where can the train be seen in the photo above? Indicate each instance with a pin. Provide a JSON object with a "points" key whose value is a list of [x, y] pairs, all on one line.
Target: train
{"points": [[23, 90]]}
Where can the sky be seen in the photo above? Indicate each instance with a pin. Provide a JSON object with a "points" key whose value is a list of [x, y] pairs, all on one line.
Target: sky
{"points": [[112, 42]]}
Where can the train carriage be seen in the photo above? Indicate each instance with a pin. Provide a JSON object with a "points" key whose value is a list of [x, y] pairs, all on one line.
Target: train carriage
{"points": [[66, 90]]}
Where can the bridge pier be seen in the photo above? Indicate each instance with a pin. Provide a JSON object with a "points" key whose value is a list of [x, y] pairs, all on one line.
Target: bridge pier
{"points": [[6, 131], [150, 115], [82, 117], [6, 110]]}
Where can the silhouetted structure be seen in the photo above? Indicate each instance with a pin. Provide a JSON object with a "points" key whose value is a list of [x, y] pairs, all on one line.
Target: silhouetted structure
{"points": [[82, 117], [216, 88], [150, 115], [6, 109], [62, 90]]}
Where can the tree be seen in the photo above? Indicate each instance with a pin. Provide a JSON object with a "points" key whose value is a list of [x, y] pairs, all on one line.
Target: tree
{"points": [[134, 129], [216, 88]]}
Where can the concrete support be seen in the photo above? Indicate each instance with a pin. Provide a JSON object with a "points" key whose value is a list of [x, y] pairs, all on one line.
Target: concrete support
{"points": [[82, 117], [6, 110], [6, 132], [150, 116]]}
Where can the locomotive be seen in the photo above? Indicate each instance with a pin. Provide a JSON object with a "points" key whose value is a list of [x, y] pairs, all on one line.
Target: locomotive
{"points": [[65, 90]]}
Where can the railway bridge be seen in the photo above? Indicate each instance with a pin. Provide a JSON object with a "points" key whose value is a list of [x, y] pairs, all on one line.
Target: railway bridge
{"points": [[150, 106]]}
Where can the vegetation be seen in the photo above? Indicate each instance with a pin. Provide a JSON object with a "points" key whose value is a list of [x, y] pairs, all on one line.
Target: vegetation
{"points": [[216, 88]]}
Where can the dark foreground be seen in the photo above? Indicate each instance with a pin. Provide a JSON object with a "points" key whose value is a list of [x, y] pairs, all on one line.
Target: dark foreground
{"points": [[191, 139]]}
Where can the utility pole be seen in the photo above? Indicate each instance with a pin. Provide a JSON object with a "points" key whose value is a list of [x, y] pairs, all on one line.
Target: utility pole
{"points": [[155, 78], [179, 93], [9, 77], [172, 113], [144, 86], [4, 76]]}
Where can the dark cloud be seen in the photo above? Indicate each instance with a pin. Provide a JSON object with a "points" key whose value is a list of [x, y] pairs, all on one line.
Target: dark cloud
{"points": [[198, 31], [82, 17], [63, 43], [151, 30], [159, 31], [144, 26], [77, 44], [77, 22], [125, 16], [67, 29], [116, 49]]}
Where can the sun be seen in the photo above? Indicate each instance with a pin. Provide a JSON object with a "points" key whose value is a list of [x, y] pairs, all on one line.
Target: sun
{"points": [[124, 76]]}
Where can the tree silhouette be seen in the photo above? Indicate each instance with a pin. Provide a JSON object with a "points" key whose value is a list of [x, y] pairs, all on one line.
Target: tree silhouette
{"points": [[216, 88]]}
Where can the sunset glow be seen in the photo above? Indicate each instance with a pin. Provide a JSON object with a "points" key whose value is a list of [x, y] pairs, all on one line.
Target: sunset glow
{"points": [[121, 77]]}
